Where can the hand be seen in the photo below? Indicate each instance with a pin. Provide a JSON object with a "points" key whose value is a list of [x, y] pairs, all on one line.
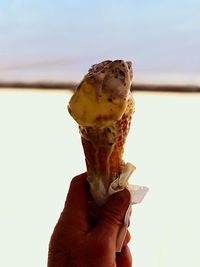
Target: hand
{"points": [[75, 242]]}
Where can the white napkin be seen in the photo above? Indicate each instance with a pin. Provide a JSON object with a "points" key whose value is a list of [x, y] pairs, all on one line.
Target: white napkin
{"points": [[137, 193]]}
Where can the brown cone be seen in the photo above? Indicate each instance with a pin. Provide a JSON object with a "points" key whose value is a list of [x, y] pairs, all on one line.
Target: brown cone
{"points": [[103, 149]]}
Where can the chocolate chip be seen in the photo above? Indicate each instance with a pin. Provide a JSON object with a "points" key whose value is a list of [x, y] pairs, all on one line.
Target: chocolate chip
{"points": [[121, 73], [110, 99]]}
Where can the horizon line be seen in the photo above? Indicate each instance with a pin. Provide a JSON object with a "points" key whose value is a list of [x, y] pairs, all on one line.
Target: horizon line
{"points": [[148, 87]]}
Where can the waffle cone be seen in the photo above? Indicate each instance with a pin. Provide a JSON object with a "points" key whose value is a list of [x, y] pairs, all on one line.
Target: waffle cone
{"points": [[103, 149]]}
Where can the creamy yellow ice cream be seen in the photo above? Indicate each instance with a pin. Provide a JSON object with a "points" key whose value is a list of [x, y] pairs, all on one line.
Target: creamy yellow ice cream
{"points": [[101, 98]]}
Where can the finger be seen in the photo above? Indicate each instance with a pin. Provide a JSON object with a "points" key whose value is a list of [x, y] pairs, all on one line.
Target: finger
{"points": [[76, 209], [112, 214], [124, 258]]}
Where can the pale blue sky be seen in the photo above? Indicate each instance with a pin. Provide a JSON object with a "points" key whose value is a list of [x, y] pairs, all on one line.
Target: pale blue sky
{"points": [[59, 40]]}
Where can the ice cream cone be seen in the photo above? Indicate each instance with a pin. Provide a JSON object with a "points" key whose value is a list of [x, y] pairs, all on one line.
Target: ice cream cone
{"points": [[103, 149], [104, 125]]}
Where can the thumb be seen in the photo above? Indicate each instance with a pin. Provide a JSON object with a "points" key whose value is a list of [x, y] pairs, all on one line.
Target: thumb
{"points": [[111, 217]]}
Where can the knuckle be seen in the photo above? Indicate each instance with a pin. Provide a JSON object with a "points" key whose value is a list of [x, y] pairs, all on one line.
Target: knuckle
{"points": [[77, 179]]}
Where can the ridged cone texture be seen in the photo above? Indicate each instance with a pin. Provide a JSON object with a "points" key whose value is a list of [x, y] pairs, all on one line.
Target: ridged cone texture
{"points": [[103, 149]]}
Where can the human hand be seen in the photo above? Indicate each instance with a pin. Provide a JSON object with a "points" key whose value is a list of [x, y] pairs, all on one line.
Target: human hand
{"points": [[75, 242]]}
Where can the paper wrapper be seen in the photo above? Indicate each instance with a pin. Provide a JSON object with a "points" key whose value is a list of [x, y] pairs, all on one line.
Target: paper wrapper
{"points": [[137, 193]]}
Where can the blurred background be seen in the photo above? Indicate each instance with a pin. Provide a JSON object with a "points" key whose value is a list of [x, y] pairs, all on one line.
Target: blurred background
{"points": [[53, 43]]}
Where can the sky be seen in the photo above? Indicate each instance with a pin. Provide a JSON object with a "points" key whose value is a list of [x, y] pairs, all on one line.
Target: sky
{"points": [[59, 40]]}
